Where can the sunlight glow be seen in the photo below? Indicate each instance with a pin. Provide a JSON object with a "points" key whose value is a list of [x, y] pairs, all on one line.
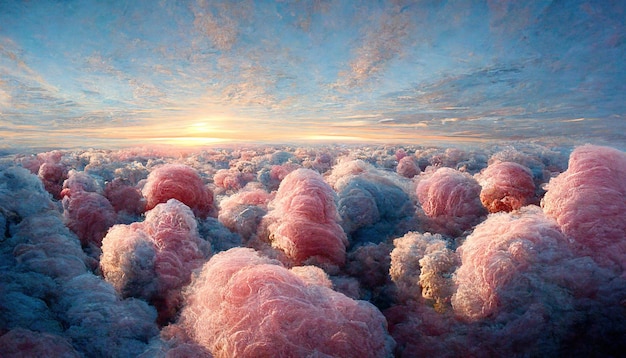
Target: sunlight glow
{"points": [[190, 141], [207, 125]]}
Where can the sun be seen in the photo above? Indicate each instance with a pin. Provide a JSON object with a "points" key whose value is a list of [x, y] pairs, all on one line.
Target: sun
{"points": [[202, 127]]}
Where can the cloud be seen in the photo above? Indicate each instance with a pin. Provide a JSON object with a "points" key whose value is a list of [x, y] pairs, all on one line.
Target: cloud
{"points": [[109, 65], [5, 97], [220, 21], [435, 294], [106, 82], [379, 44], [23, 90]]}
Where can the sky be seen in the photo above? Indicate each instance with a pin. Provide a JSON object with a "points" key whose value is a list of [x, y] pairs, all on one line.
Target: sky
{"points": [[122, 73]]}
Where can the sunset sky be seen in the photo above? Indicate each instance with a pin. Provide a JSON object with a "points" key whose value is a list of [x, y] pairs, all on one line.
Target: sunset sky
{"points": [[120, 73]]}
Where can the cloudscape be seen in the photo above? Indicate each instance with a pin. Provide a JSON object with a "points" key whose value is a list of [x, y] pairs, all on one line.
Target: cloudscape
{"points": [[320, 178], [91, 73]]}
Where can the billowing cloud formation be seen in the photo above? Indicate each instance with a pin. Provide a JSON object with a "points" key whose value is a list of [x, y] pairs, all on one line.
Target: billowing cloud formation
{"points": [[450, 200], [245, 305], [304, 222], [360, 268], [372, 204], [518, 282], [497, 254], [421, 266], [89, 215], [49, 300], [180, 182], [588, 202], [506, 186], [242, 212], [153, 259]]}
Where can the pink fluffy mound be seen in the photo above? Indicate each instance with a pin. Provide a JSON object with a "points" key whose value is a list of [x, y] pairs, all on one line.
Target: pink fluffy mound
{"points": [[124, 197], [49, 168], [504, 253], [232, 179], [520, 291], [52, 176], [407, 167], [450, 200], [304, 220], [245, 305], [506, 186], [80, 181], [180, 182], [588, 202], [345, 169], [154, 259], [89, 215], [242, 212]]}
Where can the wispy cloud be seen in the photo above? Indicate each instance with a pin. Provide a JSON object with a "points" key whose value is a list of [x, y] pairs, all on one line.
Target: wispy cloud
{"points": [[380, 42], [220, 21], [304, 69], [24, 94], [5, 97]]}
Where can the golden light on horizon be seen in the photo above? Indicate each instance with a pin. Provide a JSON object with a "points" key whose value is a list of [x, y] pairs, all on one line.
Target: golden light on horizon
{"points": [[190, 141], [207, 125], [331, 137]]}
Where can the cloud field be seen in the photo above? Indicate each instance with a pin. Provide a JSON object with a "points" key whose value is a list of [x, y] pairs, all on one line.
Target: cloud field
{"points": [[325, 251]]}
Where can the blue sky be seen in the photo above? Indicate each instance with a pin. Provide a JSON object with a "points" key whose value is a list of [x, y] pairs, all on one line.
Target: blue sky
{"points": [[109, 73]]}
